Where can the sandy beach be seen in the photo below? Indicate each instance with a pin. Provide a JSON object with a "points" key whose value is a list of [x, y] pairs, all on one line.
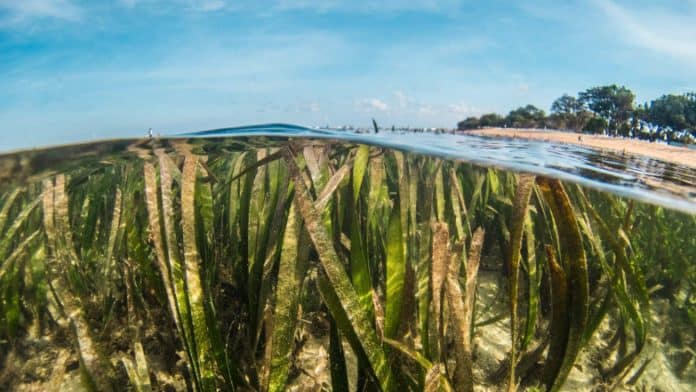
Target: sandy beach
{"points": [[679, 155]]}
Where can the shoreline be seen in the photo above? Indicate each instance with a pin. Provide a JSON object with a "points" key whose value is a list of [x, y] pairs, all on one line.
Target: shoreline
{"points": [[673, 154]]}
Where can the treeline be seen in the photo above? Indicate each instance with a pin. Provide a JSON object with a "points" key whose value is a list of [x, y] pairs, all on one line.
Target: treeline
{"points": [[607, 110]]}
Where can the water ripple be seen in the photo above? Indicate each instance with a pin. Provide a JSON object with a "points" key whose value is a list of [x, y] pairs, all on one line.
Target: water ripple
{"points": [[642, 178]]}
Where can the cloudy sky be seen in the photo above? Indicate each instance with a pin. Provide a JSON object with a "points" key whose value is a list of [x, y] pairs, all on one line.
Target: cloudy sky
{"points": [[75, 70]]}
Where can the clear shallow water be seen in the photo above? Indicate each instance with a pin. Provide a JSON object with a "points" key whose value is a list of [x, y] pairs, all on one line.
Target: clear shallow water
{"points": [[649, 180], [180, 263]]}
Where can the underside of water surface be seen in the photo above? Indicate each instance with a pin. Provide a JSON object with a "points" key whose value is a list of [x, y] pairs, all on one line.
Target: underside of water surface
{"points": [[270, 264]]}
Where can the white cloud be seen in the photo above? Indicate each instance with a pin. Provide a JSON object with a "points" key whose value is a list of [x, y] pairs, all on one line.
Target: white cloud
{"points": [[22, 11], [275, 61], [670, 33], [311, 107], [462, 109], [427, 110], [402, 99], [372, 105], [408, 104]]}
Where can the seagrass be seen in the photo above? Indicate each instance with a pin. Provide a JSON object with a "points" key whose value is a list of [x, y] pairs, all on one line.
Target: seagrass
{"points": [[255, 264]]}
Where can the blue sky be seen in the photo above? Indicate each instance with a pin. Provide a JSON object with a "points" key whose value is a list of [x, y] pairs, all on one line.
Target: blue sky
{"points": [[74, 70]]}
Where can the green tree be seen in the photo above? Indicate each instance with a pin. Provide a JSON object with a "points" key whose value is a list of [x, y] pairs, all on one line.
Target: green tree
{"points": [[468, 123], [569, 113], [486, 120], [596, 125], [677, 112], [612, 103], [567, 105], [528, 116], [491, 120]]}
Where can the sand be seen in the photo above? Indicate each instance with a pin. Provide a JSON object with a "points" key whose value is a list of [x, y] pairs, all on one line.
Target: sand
{"points": [[679, 155]]}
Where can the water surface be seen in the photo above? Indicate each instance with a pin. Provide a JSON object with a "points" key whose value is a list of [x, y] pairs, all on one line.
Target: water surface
{"points": [[650, 180]]}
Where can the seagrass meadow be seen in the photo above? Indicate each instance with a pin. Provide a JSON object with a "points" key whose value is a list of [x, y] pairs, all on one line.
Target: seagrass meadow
{"points": [[268, 264]]}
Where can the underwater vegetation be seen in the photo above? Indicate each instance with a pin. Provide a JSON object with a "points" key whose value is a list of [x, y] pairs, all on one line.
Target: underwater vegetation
{"points": [[268, 264]]}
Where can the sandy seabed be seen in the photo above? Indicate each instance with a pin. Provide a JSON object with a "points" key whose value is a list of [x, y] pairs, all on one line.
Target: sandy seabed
{"points": [[679, 155]]}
